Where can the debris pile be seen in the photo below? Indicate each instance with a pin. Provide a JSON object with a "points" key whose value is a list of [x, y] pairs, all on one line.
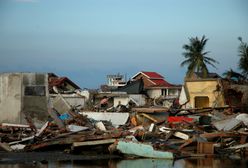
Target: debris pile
{"points": [[145, 132]]}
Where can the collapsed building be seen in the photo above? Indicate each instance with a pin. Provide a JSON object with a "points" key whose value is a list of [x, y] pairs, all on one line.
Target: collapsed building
{"points": [[213, 91], [207, 124], [25, 97]]}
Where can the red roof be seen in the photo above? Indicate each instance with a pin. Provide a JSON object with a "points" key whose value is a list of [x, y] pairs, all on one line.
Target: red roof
{"points": [[153, 75], [58, 81], [161, 83], [156, 79]]}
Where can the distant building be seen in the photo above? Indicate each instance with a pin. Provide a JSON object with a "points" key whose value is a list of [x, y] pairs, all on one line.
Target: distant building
{"points": [[116, 80], [157, 86]]}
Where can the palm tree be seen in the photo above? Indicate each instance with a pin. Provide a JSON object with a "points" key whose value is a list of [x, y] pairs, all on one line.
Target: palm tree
{"points": [[234, 76], [243, 53], [196, 58]]}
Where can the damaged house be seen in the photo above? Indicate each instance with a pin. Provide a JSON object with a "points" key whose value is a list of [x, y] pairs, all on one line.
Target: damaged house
{"points": [[157, 86], [70, 91], [199, 92], [24, 97]]}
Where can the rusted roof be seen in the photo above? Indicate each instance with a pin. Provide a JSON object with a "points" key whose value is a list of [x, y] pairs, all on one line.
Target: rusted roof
{"points": [[58, 81]]}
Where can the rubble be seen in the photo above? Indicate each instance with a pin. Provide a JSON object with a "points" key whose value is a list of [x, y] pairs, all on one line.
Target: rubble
{"points": [[165, 131], [173, 137]]}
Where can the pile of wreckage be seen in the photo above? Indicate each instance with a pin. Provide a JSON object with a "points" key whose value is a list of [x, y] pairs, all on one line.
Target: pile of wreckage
{"points": [[206, 119], [153, 132]]}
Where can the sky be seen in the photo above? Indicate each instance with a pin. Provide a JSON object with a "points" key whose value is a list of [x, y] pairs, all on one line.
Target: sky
{"points": [[86, 40]]}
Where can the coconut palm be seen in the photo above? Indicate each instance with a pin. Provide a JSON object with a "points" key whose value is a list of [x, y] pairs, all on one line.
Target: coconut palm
{"points": [[234, 76], [243, 53], [196, 58]]}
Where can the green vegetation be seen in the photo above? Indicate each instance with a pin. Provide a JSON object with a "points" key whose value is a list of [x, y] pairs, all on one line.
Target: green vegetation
{"points": [[196, 58], [243, 53]]}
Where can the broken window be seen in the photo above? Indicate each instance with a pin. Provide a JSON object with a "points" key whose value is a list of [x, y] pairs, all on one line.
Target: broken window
{"points": [[172, 92], [201, 101], [35, 91], [163, 92]]}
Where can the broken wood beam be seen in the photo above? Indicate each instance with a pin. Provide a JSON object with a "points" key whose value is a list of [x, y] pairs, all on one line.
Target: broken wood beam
{"points": [[239, 146], [91, 143], [5, 147], [42, 129], [150, 110], [149, 117], [205, 147], [219, 134], [57, 120], [187, 142], [15, 125]]}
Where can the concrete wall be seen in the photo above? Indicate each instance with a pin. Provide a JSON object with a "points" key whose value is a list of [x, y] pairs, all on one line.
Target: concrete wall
{"points": [[138, 98], [173, 92], [35, 105], [71, 99], [204, 88], [10, 98], [154, 93], [122, 100], [23, 95]]}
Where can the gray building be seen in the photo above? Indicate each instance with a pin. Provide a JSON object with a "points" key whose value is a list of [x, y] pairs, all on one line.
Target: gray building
{"points": [[24, 96]]}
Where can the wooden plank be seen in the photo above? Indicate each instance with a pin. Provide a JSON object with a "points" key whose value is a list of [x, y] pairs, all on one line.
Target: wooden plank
{"points": [[189, 141], [91, 143], [42, 129], [5, 147], [205, 147], [23, 140], [150, 110], [243, 139], [15, 125], [58, 121], [239, 146], [219, 134], [149, 117]]}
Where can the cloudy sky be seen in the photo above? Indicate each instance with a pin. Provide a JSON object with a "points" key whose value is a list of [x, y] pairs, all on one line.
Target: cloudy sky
{"points": [[88, 39]]}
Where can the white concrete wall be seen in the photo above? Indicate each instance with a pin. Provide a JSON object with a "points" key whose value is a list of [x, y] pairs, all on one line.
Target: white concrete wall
{"points": [[73, 100], [15, 105], [173, 93], [10, 97], [122, 100], [139, 98], [154, 93]]}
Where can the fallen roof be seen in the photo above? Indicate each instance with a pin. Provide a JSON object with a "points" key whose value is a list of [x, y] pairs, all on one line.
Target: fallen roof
{"points": [[58, 81]]}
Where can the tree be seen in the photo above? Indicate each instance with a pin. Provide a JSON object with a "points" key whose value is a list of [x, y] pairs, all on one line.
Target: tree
{"points": [[243, 53], [196, 58], [234, 76]]}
